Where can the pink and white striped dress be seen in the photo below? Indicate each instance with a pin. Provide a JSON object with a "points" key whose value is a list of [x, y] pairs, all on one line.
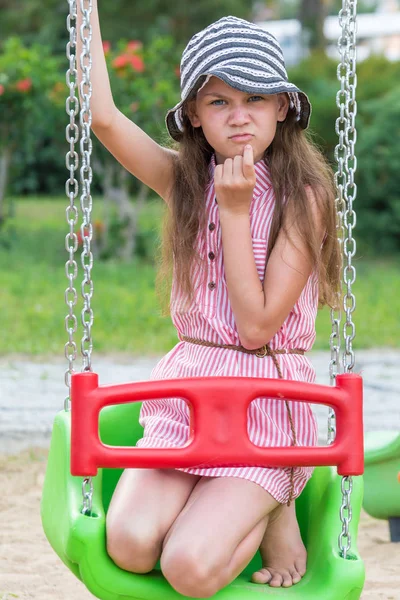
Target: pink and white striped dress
{"points": [[210, 317]]}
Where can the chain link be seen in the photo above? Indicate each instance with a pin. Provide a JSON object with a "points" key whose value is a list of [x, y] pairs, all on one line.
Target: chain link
{"points": [[71, 190], [87, 495], [347, 190]]}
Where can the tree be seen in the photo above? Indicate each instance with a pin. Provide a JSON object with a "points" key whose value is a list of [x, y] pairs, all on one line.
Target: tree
{"points": [[312, 15], [378, 175], [44, 21], [26, 74]]}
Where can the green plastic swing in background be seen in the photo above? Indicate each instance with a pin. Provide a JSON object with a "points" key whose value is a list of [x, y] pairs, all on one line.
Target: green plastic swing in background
{"points": [[381, 478], [80, 540]]}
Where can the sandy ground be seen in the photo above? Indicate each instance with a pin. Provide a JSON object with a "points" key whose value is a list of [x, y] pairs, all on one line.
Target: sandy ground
{"points": [[30, 569]]}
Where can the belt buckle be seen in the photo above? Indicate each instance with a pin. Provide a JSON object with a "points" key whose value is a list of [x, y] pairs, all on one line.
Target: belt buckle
{"points": [[262, 352]]}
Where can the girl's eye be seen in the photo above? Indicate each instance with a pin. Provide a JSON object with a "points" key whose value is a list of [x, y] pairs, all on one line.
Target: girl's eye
{"points": [[250, 97]]}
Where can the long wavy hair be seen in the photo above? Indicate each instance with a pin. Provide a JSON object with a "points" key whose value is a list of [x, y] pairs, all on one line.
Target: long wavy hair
{"points": [[294, 161]]}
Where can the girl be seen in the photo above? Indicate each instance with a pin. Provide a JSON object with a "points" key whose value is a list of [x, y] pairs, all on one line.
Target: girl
{"points": [[252, 233]]}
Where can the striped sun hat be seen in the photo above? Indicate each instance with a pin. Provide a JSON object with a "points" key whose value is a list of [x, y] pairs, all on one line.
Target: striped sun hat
{"points": [[244, 56]]}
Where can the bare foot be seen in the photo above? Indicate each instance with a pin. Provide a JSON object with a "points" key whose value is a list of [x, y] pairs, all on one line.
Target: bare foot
{"points": [[283, 553]]}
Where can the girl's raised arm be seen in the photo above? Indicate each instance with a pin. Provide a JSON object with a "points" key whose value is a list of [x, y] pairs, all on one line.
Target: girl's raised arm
{"points": [[128, 143]]}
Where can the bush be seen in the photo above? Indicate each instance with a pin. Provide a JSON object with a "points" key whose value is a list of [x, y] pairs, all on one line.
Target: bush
{"points": [[317, 77], [378, 143], [26, 76], [378, 175]]}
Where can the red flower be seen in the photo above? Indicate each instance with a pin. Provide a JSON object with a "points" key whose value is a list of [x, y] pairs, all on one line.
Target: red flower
{"points": [[2, 88], [137, 64], [133, 46], [177, 71], [24, 85], [120, 61], [134, 106], [123, 60], [106, 47]]}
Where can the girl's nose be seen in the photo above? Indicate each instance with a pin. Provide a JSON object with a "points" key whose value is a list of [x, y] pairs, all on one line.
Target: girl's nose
{"points": [[239, 115]]}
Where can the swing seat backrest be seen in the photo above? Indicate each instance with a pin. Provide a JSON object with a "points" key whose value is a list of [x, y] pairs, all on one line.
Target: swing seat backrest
{"points": [[218, 409]]}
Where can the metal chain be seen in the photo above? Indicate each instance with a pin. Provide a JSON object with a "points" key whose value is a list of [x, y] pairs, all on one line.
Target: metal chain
{"points": [[335, 313], [347, 189], [71, 190], [345, 516], [350, 189], [87, 495], [86, 207], [86, 180]]}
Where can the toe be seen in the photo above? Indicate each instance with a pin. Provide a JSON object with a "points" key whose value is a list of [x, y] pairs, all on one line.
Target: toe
{"points": [[261, 576], [300, 566], [295, 575], [287, 579], [276, 580]]}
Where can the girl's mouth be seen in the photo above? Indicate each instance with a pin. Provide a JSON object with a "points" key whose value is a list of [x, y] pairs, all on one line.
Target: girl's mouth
{"points": [[241, 137]]}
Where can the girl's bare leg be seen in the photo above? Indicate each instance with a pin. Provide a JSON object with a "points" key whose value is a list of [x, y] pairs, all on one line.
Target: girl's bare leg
{"points": [[283, 554], [145, 504], [216, 535]]}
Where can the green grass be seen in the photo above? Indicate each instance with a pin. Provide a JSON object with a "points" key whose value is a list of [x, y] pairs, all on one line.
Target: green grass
{"points": [[127, 313]]}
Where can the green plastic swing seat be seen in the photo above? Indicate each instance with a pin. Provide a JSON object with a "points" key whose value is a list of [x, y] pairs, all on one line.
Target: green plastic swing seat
{"points": [[80, 540], [382, 466]]}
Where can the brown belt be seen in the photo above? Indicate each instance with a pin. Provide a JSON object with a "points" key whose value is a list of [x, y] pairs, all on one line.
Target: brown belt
{"points": [[260, 353]]}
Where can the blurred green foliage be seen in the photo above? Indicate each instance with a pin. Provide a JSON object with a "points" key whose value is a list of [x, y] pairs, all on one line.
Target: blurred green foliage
{"points": [[379, 175], [44, 21], [377, 145], [35, 119], [27, 76]]}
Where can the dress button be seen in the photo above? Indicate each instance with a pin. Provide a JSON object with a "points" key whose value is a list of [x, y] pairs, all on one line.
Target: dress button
{"points": [[211, 255], [211, 226], [211, 285]]}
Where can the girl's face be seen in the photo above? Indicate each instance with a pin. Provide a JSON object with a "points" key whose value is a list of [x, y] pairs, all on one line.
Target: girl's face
{"points": [[224, 112]]}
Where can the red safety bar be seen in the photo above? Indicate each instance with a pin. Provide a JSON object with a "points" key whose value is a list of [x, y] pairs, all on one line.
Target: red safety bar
{"points": [[218, 423]]}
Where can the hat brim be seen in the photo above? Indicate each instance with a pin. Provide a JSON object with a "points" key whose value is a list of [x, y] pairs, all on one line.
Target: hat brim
{"points": [[174, 117]]}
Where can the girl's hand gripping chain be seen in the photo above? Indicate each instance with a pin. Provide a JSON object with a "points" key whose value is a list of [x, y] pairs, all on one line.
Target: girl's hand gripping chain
{"points": [[234, 183]]}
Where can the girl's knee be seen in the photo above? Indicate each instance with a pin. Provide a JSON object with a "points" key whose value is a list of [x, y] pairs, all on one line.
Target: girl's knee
{"points": [[189, 573], [134, 551]]}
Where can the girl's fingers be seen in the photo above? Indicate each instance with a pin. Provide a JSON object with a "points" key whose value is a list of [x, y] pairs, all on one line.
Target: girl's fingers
{"points": [[248, 162], [218, 173], [228, 168], [238, 166]]}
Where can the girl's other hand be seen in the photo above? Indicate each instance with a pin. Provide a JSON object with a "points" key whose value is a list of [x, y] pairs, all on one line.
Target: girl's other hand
{"points": [[234, 183]]}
